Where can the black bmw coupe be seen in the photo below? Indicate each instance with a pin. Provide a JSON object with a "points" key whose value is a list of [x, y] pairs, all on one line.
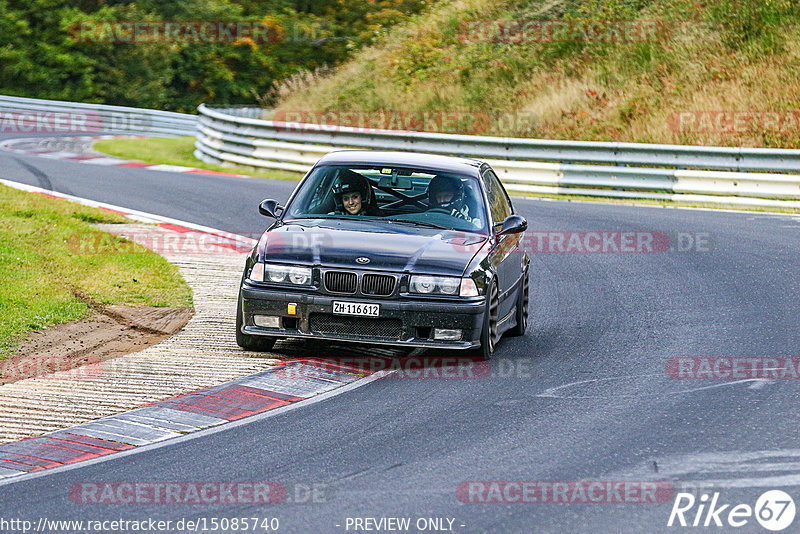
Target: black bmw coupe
{"points": [[389, 248]]}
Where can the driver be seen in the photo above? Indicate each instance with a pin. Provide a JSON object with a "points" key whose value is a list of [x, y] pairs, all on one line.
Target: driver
{"points": [[447, 193], [353, 194]]}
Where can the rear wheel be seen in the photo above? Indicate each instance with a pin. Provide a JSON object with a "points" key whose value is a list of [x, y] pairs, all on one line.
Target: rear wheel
{"points": [[489, 331], [522, 309], [246, 341]]}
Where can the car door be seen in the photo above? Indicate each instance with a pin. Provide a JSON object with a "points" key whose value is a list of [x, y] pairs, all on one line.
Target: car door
{"points": [[507, 248]]}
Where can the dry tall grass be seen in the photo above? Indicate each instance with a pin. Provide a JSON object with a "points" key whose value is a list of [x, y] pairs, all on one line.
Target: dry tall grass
{"points": [[617, 92]]}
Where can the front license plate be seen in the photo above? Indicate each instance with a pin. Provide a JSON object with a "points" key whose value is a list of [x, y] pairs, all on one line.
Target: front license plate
{"points": [[356, 308]]}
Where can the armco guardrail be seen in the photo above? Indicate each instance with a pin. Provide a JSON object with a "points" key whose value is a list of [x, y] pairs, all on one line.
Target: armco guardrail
{"points": [[749, 176], [29, 115]]}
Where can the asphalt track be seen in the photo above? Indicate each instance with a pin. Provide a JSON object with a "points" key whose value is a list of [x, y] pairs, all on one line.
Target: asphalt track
{"points": [[584, 396]]}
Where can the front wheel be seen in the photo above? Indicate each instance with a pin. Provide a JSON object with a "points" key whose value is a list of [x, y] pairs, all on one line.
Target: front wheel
{"points": [[489, 330], [246, 341]]}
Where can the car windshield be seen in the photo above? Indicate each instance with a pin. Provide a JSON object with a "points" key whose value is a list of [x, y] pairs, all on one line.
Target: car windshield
{"points": [[407, 195]]}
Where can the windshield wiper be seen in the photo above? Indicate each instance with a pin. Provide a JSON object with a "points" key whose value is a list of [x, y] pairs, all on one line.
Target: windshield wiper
{"points": [[420, 223]]}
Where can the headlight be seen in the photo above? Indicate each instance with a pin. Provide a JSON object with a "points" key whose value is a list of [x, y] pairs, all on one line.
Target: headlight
{"points": [[449, 286], [437, 285], [275, 273], [423, 284], [300, 276]]}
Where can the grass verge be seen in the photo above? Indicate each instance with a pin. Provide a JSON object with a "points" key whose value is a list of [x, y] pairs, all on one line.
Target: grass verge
{"points": [[42, 273], [177, 151]]}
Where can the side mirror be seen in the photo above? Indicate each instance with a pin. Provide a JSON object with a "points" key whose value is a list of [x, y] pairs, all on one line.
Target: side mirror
{"points": [[514, 224], [269, 208]]}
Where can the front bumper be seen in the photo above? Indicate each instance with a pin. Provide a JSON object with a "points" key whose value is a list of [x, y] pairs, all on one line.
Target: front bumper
{"points": [[403, 322]]}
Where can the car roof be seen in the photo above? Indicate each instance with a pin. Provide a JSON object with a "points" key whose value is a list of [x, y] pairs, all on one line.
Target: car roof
{"points": [[402, 159]]}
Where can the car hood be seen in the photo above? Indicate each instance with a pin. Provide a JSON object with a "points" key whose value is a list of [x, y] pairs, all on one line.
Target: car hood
{"points": [[389, 247]]}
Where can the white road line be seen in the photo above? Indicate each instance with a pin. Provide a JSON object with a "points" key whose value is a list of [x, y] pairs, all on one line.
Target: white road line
{"points": [[553, 392], [760, 383]]}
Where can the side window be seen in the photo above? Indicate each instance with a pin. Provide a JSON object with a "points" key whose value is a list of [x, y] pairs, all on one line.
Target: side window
{"points": [[499, 203], [315, 197], [322, 199]]}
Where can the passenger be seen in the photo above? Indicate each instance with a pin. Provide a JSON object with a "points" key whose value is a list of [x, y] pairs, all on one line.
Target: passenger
{"points": [[353, 195]]}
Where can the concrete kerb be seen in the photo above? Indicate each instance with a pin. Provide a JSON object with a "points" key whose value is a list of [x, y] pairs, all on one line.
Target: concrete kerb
{"points": [[194, 380]]}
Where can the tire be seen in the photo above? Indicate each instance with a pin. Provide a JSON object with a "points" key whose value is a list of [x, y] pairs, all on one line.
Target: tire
{"points": [[522, 309], [489, 330], [248, 342]]}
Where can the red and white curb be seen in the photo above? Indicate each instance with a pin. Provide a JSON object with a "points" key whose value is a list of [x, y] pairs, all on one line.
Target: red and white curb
{"points": [[37, 146], [173, 418], [278, 387]]}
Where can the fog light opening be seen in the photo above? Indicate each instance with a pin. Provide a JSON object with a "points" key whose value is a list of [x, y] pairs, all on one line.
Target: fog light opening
{"points": [[447, 334], [267, 321]]}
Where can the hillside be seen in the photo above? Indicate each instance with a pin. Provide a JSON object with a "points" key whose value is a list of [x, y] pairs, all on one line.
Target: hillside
{"points": [[721, 72]]}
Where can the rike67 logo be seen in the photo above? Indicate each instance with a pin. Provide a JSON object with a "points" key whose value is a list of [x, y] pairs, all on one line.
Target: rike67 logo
{"points": [[774, 510]]}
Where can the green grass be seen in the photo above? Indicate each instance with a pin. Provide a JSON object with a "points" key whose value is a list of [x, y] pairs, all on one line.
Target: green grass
{"points": [[42, 267], [177, 151]]}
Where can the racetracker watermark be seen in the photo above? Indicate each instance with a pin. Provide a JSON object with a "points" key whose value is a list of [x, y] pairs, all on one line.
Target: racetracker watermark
{"points": [[560, 31], [411, 367], [161, 242], [598, 242], [77, 122], [209, 492], [189, 32], [50, 367], [617, 242], [170, 239], [364, 121], [567, 492], [50, 122], [734, 122], [743, 368]]}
